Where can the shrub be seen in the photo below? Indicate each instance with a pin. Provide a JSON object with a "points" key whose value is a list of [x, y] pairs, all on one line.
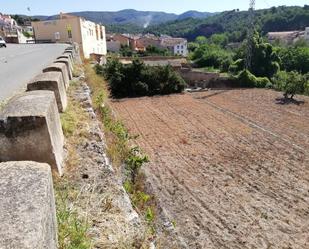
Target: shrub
{"points": [[247, 79], [98, 69], [138, 79]]}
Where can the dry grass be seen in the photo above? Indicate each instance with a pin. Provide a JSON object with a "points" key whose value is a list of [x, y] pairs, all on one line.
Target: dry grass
{"points": [[72, 227]]}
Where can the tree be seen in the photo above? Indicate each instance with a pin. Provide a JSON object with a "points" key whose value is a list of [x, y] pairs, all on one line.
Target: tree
{"points": [[212, 55], [201, 40], [264, 60], [125, 50], [219, 39], [291, 83], [294, 58]]}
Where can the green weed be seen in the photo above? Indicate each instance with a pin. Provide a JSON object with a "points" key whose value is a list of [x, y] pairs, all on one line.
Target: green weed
{"points": [[72, 230]]}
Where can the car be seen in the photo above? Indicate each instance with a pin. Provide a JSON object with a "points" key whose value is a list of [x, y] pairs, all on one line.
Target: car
{"points": [[2, 42]]}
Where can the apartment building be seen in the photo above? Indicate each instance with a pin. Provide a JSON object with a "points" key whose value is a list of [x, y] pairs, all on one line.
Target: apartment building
{"points": [[90, 36]]}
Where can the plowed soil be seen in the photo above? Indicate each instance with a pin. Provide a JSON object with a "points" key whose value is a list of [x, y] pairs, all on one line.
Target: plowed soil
{"points": [[231, 168]]}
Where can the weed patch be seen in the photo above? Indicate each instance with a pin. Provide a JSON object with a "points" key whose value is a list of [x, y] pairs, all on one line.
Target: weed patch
{"points": [[72, 230]]}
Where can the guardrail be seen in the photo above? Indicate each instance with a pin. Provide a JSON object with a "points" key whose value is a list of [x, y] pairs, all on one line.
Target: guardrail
{"points": [[31, 148]]}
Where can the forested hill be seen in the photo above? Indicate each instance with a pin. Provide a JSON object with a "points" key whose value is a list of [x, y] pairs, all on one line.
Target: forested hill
{"points": [[235, 22], [131, 17]]}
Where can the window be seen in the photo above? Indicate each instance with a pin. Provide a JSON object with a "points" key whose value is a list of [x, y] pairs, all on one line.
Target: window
{"points": [[102, 33], [181, 46], [177, 46], [70, 34], [57, 36]]}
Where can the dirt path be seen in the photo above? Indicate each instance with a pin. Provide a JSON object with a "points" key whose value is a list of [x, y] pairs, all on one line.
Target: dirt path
{"points": [[230, 170]]}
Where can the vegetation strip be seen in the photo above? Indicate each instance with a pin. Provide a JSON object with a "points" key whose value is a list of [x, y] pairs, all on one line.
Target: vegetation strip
{"points": [[73, 228], [121, 151]]}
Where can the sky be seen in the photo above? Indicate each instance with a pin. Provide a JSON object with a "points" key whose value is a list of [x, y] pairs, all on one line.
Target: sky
{"points": [[51, 7]]}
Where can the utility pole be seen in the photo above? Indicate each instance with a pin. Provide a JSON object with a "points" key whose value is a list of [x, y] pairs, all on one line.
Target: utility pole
{"points": [[250, 34]]}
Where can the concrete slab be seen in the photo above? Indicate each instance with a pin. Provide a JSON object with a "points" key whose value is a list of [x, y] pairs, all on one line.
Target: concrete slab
{"points": [[59, 67], [67, 57], [27, 206], [67, 63], [30, 129], [52, 81]]}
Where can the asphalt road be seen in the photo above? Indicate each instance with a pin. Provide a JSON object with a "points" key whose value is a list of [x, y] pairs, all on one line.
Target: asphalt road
{"points": [[19, 63]]}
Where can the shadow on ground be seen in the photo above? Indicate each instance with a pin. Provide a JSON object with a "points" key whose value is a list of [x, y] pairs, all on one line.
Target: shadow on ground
{"points": [[288, 101]]}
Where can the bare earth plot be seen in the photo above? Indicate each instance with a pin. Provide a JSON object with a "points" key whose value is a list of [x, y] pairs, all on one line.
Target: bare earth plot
{"points": [[231, 168]]}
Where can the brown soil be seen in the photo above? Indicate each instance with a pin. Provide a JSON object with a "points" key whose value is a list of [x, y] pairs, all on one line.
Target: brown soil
{"points": [[230, 168]]}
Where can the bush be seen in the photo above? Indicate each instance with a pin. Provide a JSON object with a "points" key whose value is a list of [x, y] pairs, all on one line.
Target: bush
{"points": [[247, 79], [138, 79]]}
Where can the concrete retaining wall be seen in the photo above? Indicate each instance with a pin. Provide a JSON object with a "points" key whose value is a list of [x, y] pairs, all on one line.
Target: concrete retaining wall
{"points": [[31, 147], [194, 78]]}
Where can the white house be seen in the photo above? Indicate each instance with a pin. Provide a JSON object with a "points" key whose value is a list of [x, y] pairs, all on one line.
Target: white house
{"points": [[90, 36], [178, 46]]}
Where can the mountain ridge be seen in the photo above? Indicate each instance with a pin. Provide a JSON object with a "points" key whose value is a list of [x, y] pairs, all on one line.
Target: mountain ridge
{"points": [[138, 18]]}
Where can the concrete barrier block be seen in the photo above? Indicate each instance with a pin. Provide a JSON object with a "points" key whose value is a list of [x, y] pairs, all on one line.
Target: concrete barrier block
{"points": [[70, 55], [67, 64], [27, 206], [30, 129], [71, 50], [59, 67], [52, 81], [67, 57]]}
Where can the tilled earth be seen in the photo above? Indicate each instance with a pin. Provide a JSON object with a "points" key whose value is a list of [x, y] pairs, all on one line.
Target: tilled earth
{"points": [[230, 168]]}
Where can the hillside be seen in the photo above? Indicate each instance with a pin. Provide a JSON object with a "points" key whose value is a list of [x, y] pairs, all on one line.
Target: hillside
{"points": [[235, 22], [133, 17]]}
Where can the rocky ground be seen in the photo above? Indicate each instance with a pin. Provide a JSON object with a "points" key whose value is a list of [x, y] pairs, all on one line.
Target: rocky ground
{"points": [[230, 169]]}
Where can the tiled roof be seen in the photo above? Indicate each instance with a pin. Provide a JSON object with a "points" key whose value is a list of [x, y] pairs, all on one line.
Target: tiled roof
{"points": [[168, 42]]}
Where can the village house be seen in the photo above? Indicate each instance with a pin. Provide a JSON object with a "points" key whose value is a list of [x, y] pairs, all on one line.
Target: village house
{"points": [[178, 46], [68, 28], [116, 41], [9, 29]]}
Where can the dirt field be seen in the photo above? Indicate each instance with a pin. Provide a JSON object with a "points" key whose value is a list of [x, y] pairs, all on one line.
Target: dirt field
{"points": [[231, 168]]}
